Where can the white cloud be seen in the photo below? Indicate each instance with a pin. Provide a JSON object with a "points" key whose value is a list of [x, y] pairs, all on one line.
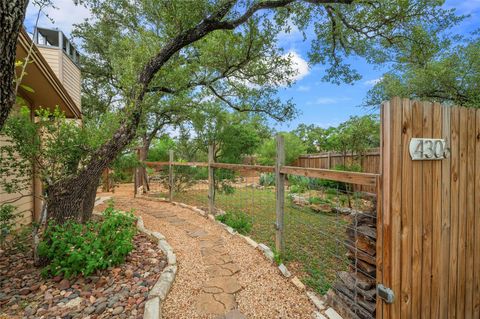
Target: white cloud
{"points": [[372, 82], [299, 65], [64, 16], [303, 88], [328, 100]]}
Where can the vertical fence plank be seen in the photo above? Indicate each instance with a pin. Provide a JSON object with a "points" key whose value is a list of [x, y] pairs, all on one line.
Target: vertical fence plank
{"points": [[407, 212], [436, 217], [462, 216], [170, 176], [386, 183], [454, 185], [211, 180], [476, 287], [417, 198], [396, 219], [445, 218], [427, 189], [379, 245], [280, 195], [470, 211]]}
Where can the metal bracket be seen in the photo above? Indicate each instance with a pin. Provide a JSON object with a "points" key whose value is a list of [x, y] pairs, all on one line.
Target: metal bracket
{"points": [[385, 293]]}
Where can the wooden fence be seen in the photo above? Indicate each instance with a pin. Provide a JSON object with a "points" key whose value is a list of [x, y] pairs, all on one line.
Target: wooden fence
{"points": [[429, 233], [369, 162]]}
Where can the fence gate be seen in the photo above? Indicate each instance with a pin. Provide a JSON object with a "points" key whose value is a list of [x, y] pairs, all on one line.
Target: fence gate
{"points": [[429, 229]]}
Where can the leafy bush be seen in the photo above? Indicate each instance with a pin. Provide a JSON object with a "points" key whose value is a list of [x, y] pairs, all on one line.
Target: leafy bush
{"points": [[237, 220], [7, 219], [74, 248], [318, 200], [267, 179], [226, 188], [298, 184]]}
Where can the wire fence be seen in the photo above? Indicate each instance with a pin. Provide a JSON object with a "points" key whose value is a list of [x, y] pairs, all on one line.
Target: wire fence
{"points": [[329, 228]]}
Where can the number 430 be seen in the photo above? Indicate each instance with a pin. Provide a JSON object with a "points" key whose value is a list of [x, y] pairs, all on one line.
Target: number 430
{"points": [[426, 148]]}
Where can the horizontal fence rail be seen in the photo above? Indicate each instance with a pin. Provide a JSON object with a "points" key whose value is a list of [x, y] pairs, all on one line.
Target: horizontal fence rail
{"points": [[367, 179]]}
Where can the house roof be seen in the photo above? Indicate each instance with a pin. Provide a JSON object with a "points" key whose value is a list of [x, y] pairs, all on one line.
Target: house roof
{"points": [[48, 90]]}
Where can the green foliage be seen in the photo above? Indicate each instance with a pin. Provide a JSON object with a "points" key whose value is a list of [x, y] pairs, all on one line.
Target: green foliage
{"points": [[124, 166], [298, 184], [441, 71], [159, 150], [238, 220], [7, 220], [267, 179], [226, 188], [293, 149], [75, 248]]}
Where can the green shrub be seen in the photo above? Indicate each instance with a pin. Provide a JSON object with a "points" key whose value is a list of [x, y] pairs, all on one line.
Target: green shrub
{"points": [[7, 220], [74, 248], [318, 200], [298, 184], [226, 188], [237, 220], [267, 179]]}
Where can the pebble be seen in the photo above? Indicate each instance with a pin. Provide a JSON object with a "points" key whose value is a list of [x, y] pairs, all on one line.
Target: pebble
{"points": [[117, 310]]}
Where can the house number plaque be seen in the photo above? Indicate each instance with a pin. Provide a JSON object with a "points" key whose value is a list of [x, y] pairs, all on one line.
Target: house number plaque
{"points": [[428, 149]]}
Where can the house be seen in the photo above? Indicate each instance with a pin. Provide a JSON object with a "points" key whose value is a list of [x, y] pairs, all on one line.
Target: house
{"points": [[55, 78]]}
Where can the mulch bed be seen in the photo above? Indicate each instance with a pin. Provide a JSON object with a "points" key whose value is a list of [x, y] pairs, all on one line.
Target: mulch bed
{"points": [[112, 293]]}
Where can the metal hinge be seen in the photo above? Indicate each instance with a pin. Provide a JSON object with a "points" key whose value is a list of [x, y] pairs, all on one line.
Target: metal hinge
{"points": [[385, 293]]}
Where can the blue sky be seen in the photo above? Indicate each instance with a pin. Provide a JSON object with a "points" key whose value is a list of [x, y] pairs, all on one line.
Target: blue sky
{"points": [[319, 103]]}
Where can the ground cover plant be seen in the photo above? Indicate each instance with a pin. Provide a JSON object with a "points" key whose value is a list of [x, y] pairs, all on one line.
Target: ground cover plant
{"points": [[74, 248], [238, 220]]}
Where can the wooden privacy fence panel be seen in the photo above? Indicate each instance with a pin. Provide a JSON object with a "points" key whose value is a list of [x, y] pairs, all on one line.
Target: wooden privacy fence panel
{"points": [[429, 233], [369, 162]]}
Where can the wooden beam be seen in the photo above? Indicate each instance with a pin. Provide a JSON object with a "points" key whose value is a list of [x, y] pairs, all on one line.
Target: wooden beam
{"points": [[211, 180], [280, 195], [368, 179], [259, 168]]}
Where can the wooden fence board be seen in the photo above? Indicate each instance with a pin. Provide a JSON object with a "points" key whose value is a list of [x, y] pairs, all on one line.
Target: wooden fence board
{"points": [[386, 197], [454, 184], [462, 216], [427, 192], [417, 198], [476, 287], [396, 152], [436, 217], [445, 219], [470, 222], [407, 212]]}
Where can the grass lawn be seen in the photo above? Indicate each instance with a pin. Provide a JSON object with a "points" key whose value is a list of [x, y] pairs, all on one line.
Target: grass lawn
{"points": [[314, 241]]}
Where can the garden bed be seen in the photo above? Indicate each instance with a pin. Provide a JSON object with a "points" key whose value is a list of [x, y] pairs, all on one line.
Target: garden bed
{"points": [[119, 292]]}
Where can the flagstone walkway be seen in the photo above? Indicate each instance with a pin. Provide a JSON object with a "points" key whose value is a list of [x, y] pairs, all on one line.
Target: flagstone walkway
{"points": [[219, 275]]}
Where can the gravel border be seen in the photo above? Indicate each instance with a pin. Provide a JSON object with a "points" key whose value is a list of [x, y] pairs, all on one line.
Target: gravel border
{"points": [[315, 299], [159, 292]]}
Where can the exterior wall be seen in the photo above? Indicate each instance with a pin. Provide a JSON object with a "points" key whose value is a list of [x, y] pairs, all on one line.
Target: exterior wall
{"points": [[25, 205], [71, 79], [52, 56], [66, 71]]}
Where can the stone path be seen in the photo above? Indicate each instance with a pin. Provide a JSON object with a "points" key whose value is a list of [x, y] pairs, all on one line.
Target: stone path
{"points": [[218, 292]]}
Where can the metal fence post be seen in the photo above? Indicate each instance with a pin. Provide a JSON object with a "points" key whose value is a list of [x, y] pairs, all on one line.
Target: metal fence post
{"points": [[170, 176], [280, 195], [211, 181]]}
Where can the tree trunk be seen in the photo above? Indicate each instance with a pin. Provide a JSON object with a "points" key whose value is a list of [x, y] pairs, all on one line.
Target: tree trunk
{"points": [[12, 13]]}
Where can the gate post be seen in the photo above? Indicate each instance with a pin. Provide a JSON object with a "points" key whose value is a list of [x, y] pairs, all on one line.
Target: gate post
{"points": [[170, 176], [211, 181], [280, 195]]}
